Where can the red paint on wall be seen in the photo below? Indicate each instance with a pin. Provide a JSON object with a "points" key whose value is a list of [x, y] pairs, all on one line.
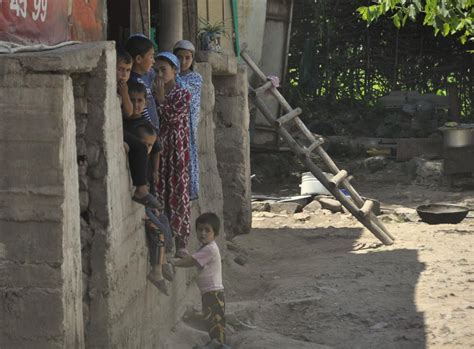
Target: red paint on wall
{"points": [[47, 21], [87, 20], [33, 21]]}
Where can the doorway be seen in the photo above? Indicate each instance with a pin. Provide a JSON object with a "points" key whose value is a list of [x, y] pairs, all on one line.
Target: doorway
{"points": [[118, 20]]}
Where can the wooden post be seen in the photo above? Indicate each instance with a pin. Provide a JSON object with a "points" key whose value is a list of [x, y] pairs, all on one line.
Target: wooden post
{"points": [[190, 21], [454, 103], [140, 17], [395, 64], [171, 24]]}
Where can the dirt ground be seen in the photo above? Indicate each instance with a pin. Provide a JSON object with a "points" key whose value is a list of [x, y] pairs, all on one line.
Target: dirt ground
{"points": [[326, 282]]}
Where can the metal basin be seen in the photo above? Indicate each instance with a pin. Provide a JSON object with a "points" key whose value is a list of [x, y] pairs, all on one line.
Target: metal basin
{"points": [[442, 213], [459, 136]]}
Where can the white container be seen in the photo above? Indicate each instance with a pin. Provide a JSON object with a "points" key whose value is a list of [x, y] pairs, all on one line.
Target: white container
{"points": [[462, 136], [310, 185]]}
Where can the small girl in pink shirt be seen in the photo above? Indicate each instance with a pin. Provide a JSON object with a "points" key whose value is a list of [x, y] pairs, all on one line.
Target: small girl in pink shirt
{"points": [[207, 260]]}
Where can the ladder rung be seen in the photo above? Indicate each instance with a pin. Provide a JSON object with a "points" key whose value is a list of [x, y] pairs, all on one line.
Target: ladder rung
{"points": [[366, 207], [287, 117], [319, 142], [338, 178], [263, 88]]}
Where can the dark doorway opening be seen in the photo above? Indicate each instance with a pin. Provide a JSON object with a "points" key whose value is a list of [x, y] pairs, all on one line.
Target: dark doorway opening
{"points": [[118, 24]]}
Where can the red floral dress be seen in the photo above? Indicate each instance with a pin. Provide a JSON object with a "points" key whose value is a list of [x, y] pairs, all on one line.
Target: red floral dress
{"points": [[173, 184]]}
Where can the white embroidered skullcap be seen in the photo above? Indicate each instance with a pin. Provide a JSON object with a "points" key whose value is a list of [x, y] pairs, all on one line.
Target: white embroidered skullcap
{"points": [[184, 45]]}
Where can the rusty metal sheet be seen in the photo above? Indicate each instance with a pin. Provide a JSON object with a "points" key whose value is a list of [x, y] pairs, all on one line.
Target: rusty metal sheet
{"points": [[34, 21]]}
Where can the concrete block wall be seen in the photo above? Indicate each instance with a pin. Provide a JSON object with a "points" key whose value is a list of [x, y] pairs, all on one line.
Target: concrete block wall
{"points": [[232, 142], [231, 116], [40, 279], [121, 309], [211, 197], [110, 217], [73, 256]]}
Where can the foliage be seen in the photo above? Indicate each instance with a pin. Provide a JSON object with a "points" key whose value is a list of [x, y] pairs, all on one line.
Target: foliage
{"points": [[448, 17], [338, 67], [215, 29]]}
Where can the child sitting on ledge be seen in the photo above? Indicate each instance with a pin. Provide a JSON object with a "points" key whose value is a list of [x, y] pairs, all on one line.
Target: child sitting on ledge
{"points": [[151, 147]]}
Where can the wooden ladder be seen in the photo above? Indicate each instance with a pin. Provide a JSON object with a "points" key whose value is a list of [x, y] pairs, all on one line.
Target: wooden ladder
{"points": [[308, 144]]}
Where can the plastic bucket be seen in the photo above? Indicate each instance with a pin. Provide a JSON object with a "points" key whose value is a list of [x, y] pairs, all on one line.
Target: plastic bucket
{"points": [[310, 185]]}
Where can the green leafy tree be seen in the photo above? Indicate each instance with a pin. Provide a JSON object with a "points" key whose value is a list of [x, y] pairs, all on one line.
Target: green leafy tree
{"points": [[338, 67], [448, 17]]}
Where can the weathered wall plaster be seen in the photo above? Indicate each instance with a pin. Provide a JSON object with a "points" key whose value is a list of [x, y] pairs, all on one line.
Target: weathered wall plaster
{"points": [[48, 213]]}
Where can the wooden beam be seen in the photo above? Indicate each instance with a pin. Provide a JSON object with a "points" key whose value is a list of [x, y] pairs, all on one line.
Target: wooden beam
{"points": [[171, 24], [140, 17]]}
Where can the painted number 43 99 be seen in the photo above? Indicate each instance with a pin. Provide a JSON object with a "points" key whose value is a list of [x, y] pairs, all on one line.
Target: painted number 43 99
{"points": [[40, 8]]}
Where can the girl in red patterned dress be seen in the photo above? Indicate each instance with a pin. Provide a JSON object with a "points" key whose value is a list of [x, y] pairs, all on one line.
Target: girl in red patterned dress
{"points": [[173, 104]]}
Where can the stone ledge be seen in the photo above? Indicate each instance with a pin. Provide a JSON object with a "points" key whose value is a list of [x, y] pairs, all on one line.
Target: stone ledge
{"points": [[78, 58], [222, 64]]}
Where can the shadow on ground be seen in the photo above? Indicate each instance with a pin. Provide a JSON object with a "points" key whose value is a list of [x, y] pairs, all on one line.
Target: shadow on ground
{"points": [[310, 287]]}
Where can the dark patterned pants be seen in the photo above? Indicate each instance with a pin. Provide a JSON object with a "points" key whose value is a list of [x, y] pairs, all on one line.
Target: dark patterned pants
{"points": [[213, 309]]}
